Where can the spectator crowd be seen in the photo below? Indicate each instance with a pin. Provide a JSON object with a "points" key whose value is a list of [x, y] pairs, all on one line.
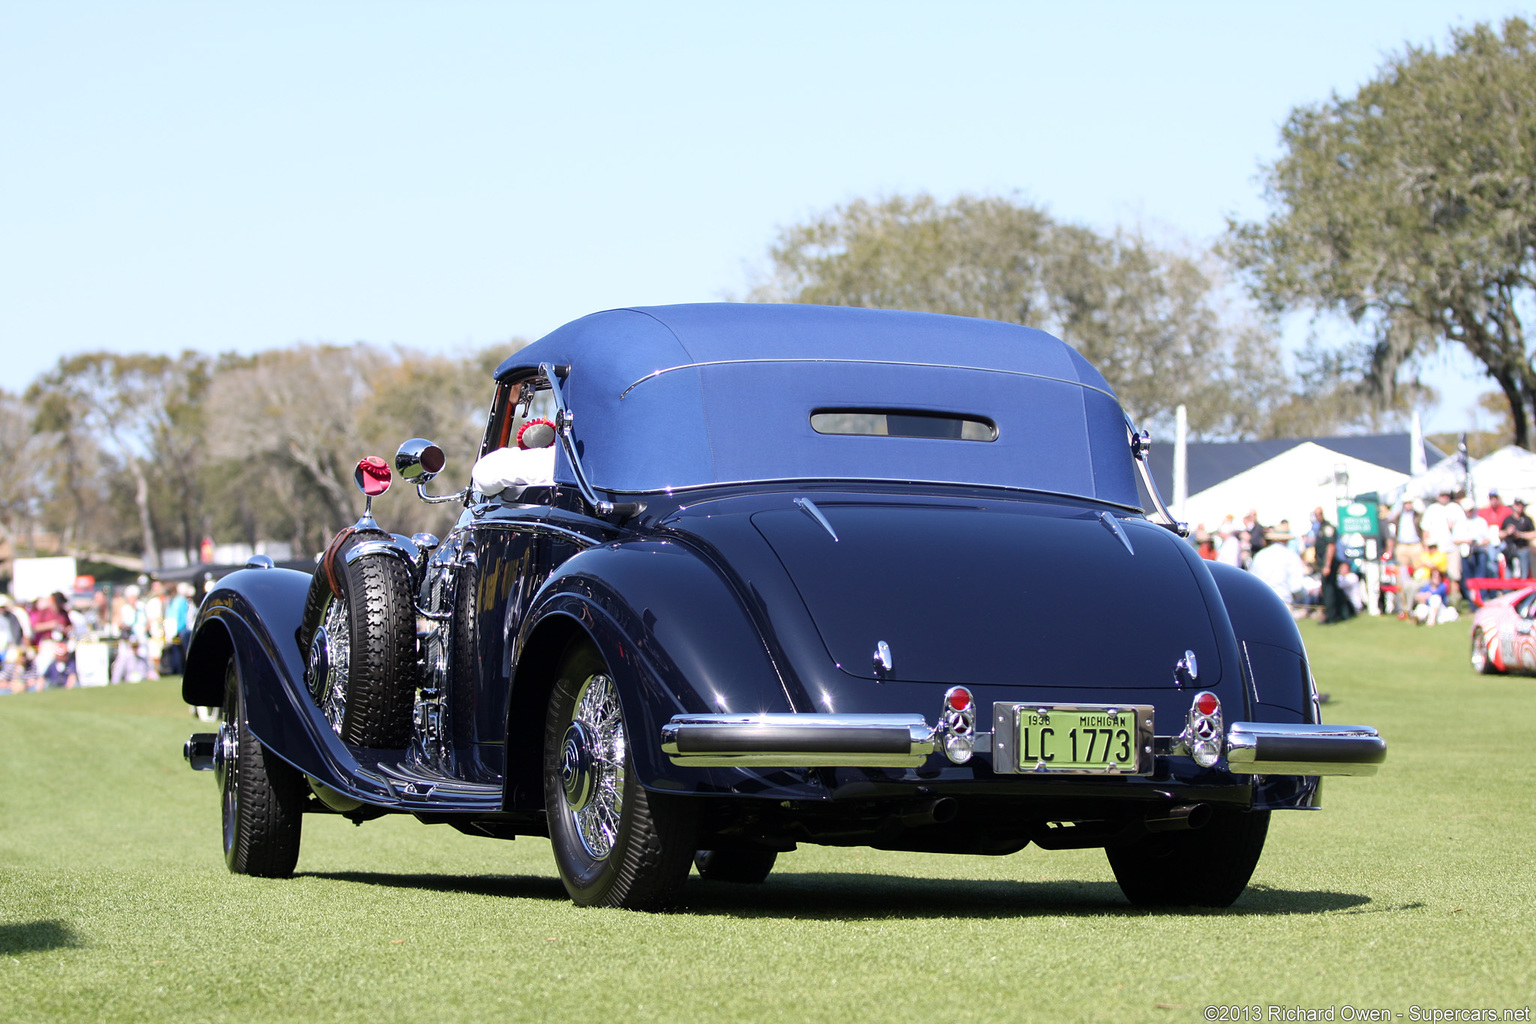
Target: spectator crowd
{"points": [[1419, 564], [141, 630]]}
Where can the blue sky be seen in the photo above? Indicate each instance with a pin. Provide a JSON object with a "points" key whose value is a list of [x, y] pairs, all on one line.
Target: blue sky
{"points": [[226, 176]]}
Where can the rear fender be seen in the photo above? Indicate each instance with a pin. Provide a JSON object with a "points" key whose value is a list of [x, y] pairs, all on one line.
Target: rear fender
{"points": [[1274, 659], [675, 636], [1277, 676]]}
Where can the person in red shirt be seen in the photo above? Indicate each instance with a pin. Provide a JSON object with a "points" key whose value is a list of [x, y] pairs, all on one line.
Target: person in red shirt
{"points": [[1495, 512], [1484, 558], [47, 617]]}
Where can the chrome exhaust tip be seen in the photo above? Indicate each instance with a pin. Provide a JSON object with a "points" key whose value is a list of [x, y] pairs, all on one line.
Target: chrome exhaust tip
{"points": [[1178, 818]]}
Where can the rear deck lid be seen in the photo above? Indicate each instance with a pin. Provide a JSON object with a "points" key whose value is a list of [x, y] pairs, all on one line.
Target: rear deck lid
{"points": [[965, 594]]}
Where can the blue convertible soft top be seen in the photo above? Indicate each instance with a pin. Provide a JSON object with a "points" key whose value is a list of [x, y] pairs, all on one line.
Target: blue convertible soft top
{"points": [[670, 397]]}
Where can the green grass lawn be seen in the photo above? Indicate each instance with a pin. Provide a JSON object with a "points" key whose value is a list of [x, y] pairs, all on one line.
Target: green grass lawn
{"points": [[1412, 888]]}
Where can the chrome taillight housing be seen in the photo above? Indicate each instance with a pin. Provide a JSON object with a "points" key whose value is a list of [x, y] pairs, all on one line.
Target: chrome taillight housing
{"points": [[1203, 733], [957, 725]]}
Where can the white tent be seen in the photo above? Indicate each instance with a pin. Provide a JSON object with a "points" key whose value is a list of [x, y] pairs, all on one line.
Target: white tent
{"points": [[1445, 475], [1511, 471], [1289, 486]]}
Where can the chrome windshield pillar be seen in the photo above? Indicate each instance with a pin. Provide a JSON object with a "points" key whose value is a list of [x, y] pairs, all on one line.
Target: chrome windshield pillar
{"points": [[1141, 444], [564, 419]]}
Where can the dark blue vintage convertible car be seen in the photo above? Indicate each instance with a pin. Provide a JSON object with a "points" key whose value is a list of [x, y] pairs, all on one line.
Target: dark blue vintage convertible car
{"points": [[785, 574]]}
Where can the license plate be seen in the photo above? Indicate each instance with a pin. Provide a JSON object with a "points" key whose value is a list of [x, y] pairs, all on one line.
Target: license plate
{"points": [[1077, 739]]}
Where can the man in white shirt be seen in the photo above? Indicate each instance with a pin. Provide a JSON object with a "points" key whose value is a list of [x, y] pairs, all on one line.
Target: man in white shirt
{"points": [[1438, 526], [1281, 569]]}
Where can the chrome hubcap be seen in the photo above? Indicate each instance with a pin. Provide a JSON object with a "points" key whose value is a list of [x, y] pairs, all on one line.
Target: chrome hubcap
{"points": [[576, 766], [226, 769], [225, 746], [592, 766]]}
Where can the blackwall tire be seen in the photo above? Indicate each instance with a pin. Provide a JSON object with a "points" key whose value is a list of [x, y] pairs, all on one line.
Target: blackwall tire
{"points": [[615, 844], [743, 867], [1204, 867], [360, 649], [262, 796]]}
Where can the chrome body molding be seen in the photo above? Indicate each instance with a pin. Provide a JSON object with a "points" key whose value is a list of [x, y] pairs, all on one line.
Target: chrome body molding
{"points": [[1271, 748], [540, 526], [808, 506], [380, 547], [789, 740], [1113, 526]]}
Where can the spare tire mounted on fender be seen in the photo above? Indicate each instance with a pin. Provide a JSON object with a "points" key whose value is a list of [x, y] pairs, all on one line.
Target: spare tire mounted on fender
{"points": [[359, 643]]}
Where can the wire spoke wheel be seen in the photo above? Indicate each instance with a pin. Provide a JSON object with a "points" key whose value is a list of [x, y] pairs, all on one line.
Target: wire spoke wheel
{"points": [[615, 844], [330, 686], [592, 765]]}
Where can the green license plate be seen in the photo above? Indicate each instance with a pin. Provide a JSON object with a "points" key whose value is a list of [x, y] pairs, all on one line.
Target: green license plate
{"points": [[1094, 740]]}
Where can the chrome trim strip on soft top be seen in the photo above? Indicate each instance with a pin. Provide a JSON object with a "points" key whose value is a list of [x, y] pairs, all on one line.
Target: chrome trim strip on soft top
{"points": [[788, 740], [1272, 748], [869, 362]]}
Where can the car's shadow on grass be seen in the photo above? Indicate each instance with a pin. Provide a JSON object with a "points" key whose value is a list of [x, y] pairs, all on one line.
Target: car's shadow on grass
{"points": [[842, 897], [835, 896], [533, 887], [36, 937]]}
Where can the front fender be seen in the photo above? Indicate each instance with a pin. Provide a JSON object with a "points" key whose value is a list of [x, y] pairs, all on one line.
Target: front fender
{"points": [[254, 616], [254, 613]]}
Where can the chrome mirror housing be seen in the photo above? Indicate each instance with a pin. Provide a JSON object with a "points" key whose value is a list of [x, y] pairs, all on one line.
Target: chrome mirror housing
{"points": [[419, 460]]}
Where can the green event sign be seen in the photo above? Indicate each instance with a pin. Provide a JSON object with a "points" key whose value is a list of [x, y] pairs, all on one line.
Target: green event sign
{"points": [[1357, 529], [1358, 517]]}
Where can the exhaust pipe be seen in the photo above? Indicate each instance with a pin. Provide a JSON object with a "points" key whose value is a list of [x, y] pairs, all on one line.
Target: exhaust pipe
{"points": [[1178, 818], [935, 812]]}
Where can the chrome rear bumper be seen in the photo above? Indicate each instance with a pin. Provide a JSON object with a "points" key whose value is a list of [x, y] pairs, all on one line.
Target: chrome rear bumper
{"points": [[906, 741], [1268, 748], [798, 741]]}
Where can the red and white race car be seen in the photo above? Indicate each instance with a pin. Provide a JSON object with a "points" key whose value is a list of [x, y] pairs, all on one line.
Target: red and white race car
{"points": [[1504, 633]]}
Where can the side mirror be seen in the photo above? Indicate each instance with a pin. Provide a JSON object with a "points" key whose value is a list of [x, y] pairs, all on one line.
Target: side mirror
{"points": [[419, 460]]}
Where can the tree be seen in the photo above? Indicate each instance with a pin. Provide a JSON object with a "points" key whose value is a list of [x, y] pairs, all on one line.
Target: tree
{"points": [[1153, 321], [287, 426], [444, 399], [125, 407], [292, 423], [1410, 209], [20, 504]]}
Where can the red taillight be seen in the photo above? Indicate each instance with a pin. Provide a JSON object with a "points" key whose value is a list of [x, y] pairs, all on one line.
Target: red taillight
{"points": [[1206, 703], [959, 698]]}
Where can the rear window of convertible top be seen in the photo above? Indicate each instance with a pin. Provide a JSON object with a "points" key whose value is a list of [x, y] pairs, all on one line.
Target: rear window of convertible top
{"points": [[903, 423]]}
